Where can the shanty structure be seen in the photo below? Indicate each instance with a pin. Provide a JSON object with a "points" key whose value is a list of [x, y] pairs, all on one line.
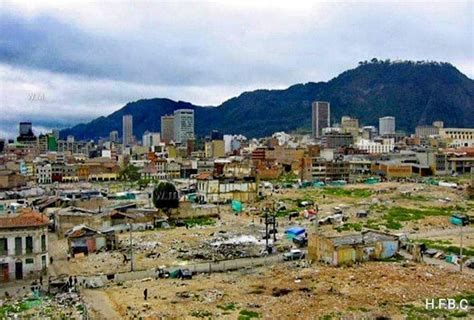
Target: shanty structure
{"points": [[83, 239], [349, 249]]}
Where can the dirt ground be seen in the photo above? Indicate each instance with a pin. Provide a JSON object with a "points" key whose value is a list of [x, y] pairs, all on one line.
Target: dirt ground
{"points": [[289, 292], [155, 248], [168, 246], [385, 196], [283, 291]]}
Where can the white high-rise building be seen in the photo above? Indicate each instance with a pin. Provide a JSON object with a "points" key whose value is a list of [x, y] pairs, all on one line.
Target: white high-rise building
{"points": [[151, 139], [127, 126], [113, 136], [386, 125], [183, 125]]}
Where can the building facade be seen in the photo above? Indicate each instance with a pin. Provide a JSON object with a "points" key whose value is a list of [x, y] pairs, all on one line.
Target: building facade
{"points": [[167, 128], [314, 169], [334, 140], [44, 173], [151, 139], [113, 136], [321, 114], [183, 125], [127, 127], [386, 126], [23, 245], [426, 131], [458, 137], [382, 146]]}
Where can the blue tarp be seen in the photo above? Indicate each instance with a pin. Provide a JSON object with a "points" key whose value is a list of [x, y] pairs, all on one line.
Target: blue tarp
{"points": [[236, 206], [294, 232]]}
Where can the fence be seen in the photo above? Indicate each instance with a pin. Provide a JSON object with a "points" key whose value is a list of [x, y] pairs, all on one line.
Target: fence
{"points": [[205, 267]]}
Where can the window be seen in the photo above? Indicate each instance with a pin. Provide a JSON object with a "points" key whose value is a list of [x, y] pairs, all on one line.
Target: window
{"points": [[3, 247], [43, 242], [29, 244], [29, 261], [18, 246]]}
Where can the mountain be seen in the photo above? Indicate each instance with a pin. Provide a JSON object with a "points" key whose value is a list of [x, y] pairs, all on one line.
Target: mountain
{"points": [[414, 92]]}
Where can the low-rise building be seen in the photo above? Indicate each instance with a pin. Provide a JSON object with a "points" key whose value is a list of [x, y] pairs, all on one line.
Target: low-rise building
{"points": [[11, 180], [44, 173], [218, 190], [425, 131], [458, 137], [383, 146], [321, 169], [349, 249], [334, 140], [23, 245]]}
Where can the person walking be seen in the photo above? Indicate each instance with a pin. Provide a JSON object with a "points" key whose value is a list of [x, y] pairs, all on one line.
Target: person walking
{"points": [[145, 294]]}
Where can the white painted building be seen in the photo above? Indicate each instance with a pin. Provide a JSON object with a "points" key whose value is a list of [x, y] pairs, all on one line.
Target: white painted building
{"points": [[386, 125], [44, 173], [458, 137], [151, 139], [183, 125], [23, 245], [382, 146]]}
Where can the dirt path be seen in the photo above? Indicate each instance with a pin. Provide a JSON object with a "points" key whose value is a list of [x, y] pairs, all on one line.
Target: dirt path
{"points": [[439, 233], [447, 266], [99, 305]]}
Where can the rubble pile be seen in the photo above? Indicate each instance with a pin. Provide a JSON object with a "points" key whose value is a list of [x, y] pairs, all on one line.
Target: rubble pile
{"points": [[224, 246], [60, 306]]}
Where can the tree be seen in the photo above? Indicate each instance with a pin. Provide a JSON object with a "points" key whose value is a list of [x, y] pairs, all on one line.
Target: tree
{"points": [[143, 183], [130, 173], [165, 198]]}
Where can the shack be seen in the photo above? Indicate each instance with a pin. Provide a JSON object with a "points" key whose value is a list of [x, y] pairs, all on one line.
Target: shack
{"points": [[349, 249], [84, 239]]}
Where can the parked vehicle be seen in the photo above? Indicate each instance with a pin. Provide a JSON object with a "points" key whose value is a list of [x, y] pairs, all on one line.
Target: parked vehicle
{"points": [[186, 274], [162, 273], [294, 254], [305, 203], [182, 273], [300, 241]]}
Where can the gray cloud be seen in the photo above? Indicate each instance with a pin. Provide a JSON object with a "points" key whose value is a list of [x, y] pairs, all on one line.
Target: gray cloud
{"points": [[90, 59]]}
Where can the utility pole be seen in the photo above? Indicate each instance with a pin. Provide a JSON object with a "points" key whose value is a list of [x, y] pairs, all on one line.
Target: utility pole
{"points": [[460, 250], [266, 229], [131, 248]]}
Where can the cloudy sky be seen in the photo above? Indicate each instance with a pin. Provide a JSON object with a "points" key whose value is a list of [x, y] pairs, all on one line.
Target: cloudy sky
{"points": [[65, 62]]}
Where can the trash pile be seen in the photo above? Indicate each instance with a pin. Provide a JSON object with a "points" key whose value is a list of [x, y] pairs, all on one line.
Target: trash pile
{"points": [[60, 306], [225, 246]]}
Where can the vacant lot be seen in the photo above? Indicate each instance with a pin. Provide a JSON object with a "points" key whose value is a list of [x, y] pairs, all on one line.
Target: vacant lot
{"points": [[287, 291]]}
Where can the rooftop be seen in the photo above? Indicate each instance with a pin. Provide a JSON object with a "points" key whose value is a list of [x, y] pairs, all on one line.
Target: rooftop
{"points": [[367, 237], [26, 218]]}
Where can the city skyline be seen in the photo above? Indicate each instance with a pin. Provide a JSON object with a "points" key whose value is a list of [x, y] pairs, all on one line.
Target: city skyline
{"points": [[212, 159], [37, 89]]}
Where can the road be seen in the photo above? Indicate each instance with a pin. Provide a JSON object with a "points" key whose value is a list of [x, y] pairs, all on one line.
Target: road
{"points": [[439, 233]]}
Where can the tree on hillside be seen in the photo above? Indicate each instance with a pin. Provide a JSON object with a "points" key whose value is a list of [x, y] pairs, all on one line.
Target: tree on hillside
{"points": [[165, 198]]}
